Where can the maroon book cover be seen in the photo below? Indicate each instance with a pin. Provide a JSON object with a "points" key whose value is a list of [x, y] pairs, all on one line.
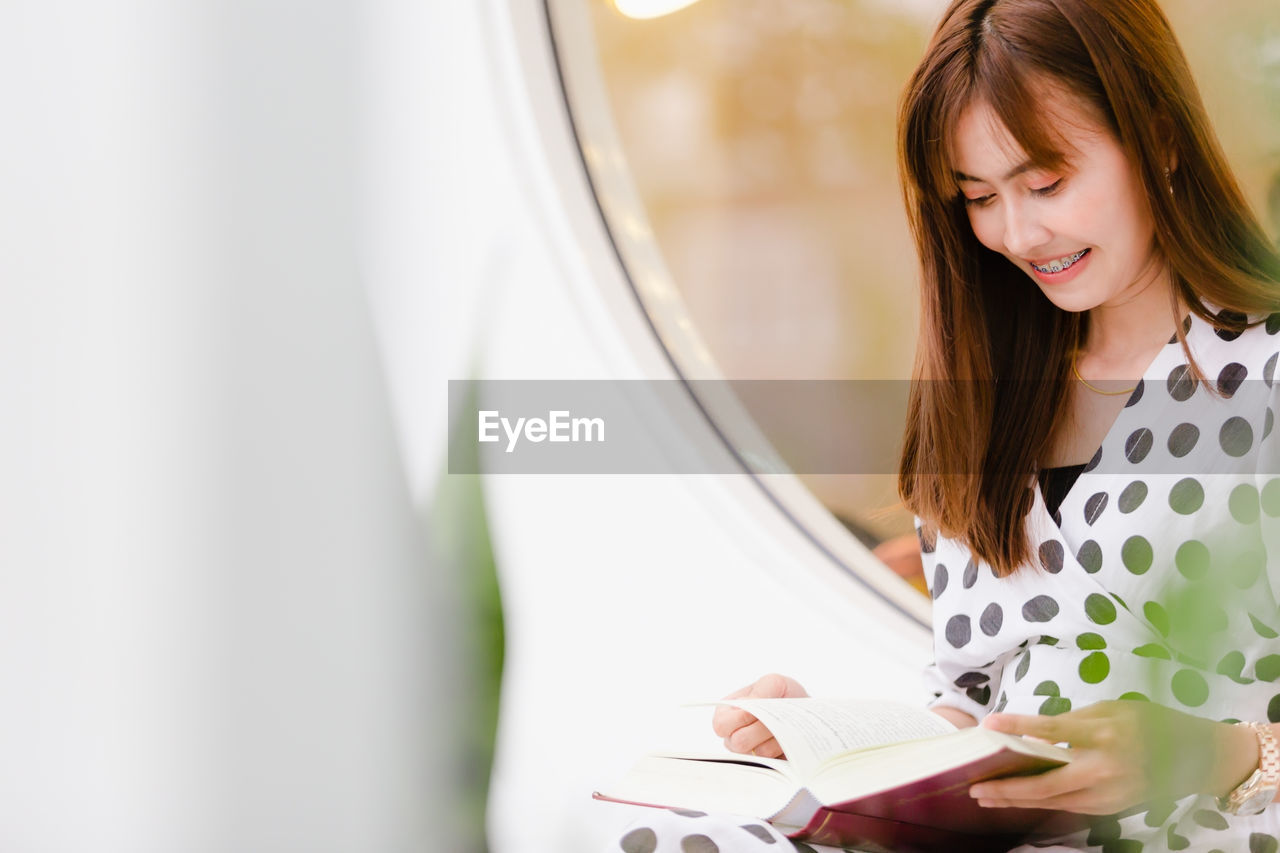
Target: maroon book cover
{"points": [[928, 814]]}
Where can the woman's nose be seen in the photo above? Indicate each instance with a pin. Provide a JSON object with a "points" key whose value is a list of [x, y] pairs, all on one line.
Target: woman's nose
{"points": [[1023, 231]]}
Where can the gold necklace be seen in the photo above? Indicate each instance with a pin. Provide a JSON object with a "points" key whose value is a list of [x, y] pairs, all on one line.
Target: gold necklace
{"points": [[1094, 388]]}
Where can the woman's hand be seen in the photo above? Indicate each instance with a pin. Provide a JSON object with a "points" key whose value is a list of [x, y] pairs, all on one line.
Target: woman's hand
{"points": [[1123, 753], [744, 733]]}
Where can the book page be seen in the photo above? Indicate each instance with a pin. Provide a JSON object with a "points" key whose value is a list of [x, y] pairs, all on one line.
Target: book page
{"points": [[812, 730]]}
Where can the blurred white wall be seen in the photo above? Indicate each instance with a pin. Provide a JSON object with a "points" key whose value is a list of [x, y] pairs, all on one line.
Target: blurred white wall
{"points": [[217, 611]]}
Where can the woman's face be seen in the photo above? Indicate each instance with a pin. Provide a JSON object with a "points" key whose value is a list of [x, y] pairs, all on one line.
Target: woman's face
{"points": [[1083, 233]]}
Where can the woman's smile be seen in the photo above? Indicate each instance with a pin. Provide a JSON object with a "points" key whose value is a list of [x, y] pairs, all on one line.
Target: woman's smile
{"points": [[1063, 269]]}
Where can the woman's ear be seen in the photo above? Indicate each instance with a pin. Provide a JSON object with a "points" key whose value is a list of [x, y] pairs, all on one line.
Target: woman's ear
{"points": [[1169, 155]]}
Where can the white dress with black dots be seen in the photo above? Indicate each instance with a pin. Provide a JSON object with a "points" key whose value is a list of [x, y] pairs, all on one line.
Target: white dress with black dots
{"points": [[1157, 579]]}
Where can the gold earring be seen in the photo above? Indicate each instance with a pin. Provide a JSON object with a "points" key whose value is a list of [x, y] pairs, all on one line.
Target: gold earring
{"points": [[1168, 179]]}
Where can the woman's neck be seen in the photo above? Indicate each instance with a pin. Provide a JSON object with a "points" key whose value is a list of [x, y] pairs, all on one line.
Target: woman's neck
{"points": [[1125, 333]]}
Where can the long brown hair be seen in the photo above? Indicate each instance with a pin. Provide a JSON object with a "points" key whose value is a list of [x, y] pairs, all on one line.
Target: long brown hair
{"points": [[992, 365]]}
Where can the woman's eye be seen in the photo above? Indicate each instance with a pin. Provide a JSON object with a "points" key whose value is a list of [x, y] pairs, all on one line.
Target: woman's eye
{"points": [[1049, 190], [980, 201]]}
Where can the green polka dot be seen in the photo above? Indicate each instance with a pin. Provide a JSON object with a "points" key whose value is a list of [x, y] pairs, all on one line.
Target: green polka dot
{"points": [[1136, 555], [1089, 640], [1123, 845], [1192, 559], [1273, 709], [1267, 668], [1232, 665], [1243, 503], [1104, 829], [1271, 498], [1261, 842], [1176, 841], [1190, 688], [1054, 705], [1262, 629], [1047, 688], [1099, 609], [1186, 496], [1134, 696], [1152, 650], [1209, 819], [1157, 616], [1094, 668], [1159, 813]]}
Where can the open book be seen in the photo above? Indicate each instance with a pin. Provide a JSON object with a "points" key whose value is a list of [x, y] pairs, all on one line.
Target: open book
{"points": [[876, 775]]}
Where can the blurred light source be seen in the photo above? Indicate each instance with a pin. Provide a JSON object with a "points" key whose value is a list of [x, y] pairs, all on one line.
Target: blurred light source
{"points": [[650, 8]]}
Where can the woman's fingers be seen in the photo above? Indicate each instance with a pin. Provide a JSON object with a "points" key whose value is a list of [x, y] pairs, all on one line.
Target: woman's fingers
{"points": [[749, 738], [727, 720]]}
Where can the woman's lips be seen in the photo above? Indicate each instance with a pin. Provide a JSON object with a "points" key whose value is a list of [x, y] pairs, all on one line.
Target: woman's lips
{"points": [[1064, 275]]}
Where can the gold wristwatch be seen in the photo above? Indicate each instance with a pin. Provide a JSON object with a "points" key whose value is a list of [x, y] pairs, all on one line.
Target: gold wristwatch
{"points": [[1259, 790]]}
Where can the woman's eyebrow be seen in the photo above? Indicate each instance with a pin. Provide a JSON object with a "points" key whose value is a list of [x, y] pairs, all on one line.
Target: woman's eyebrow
{"points": [[1024, 166]]}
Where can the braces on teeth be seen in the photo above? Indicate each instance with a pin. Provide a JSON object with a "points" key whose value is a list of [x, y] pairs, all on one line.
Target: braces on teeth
{"points": [[1059, 266]]}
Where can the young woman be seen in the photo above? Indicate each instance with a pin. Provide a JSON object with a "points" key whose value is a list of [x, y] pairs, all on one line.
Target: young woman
{"points": [[1089, 443]]}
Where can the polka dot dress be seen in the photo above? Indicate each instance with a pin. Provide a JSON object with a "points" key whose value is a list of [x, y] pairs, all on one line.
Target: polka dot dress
{"points": [[1155, 581]]}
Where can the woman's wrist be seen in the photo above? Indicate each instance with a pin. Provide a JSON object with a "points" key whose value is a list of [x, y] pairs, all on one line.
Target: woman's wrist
{"points": [[1236, 757]]}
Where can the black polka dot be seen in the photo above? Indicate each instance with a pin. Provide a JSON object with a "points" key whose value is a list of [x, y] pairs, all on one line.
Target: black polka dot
{"points": [[1268, 421], [1090, 556], [1270, 498], [939, 580], [1042, 608], [760, 832], [1230, 378], [1181, 384], [1094, 668], [928, 539], [1261, 842], [688, 813], [1051, 553], [1267, 668], [1138, 445], [1024, 664], [1094, 506], [1273, 324], [970, 574], [1209, 819], [1132, 496], [698, 843], [1094, 461], [1269, 369], [1183, 439], [1228, 317], [958, 630], [1245, 568], [1157, 616], [991, 620], [1136, 555], [1273, 709], [1192, 559], [1001, 702], [1236, 436], [1243, 503], [1099, 609], [1137, 393], [972, 679], [981, 695], [642, 840], [1232, 666], [1190, 688], [1186, 496]]}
